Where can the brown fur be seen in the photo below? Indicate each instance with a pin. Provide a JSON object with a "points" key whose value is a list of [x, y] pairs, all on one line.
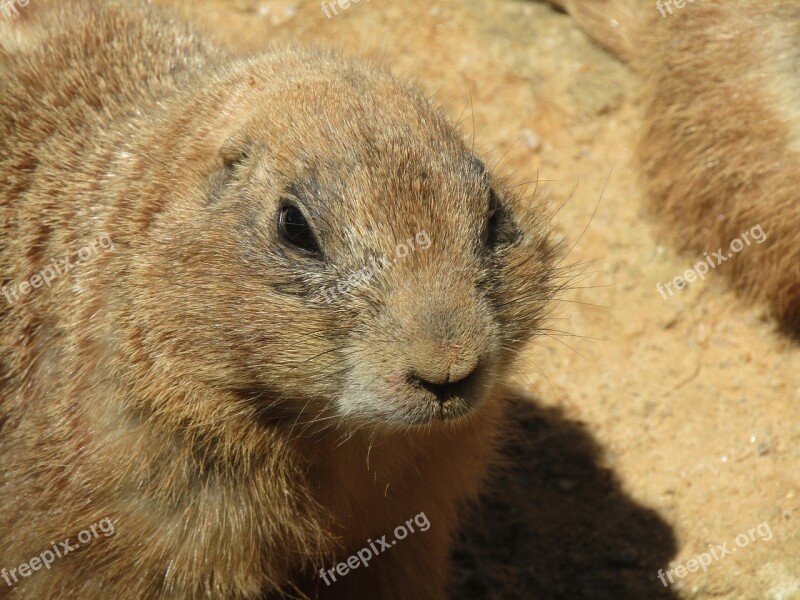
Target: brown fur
{"points": [[192, 384], [720, 149]]}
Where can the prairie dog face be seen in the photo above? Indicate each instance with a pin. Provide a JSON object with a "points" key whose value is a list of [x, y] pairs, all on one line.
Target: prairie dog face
{"points": [[367, 267]]}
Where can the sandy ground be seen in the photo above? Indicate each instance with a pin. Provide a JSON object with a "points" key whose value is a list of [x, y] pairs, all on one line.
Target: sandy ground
{"points": [[651, 430]]}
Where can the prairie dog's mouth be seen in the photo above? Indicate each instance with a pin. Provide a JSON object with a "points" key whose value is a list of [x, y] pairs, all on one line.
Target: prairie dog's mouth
{"points": [[450, 410], [452, 400], [407, 400], [429, 413]]}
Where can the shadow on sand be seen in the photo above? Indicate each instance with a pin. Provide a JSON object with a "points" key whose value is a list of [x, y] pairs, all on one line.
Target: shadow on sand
{"points": [[556, 524]]}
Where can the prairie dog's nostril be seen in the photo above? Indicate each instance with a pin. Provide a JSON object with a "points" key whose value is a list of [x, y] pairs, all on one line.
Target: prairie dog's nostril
{"points": [[458, 384], [446, 365]]}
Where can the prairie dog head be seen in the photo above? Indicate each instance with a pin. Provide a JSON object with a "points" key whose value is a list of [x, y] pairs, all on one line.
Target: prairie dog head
{"points": [[343, 256]]}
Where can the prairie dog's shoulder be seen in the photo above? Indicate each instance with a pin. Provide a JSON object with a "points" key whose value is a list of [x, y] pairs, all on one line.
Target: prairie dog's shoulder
{"points": [[720, 145]]}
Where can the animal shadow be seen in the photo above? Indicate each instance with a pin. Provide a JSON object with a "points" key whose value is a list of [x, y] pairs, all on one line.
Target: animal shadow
{"points": [[556, 524]]}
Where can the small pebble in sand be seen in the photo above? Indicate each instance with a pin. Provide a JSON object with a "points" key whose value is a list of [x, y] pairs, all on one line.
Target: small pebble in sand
{"points": [[531, 140]]}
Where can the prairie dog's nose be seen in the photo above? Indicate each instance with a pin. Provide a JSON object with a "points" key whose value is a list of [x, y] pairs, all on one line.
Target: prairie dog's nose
{"points": [[452, 373], [448, 346], [450, 363]]}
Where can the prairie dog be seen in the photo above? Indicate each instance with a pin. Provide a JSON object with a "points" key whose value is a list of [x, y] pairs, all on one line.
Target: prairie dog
{"points": [[720, 148], [185, 371]]}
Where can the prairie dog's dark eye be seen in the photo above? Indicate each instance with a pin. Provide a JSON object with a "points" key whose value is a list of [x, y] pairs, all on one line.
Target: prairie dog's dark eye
{"points": [[500, 227], [494, 224], [294, 229]]}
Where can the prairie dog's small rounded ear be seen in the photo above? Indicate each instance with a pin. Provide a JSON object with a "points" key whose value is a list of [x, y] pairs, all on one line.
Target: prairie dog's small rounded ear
{"points": [[226, 145], [230, 156], [234, 151], [228, 131]]}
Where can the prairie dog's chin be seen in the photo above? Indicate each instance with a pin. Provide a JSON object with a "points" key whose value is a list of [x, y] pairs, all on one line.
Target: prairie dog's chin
{"points": [[389, 407], [430, 413]]}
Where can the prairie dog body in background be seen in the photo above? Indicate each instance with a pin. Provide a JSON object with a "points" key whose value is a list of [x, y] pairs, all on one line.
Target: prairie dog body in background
{"points": [[186, 377], [720, 149]]}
